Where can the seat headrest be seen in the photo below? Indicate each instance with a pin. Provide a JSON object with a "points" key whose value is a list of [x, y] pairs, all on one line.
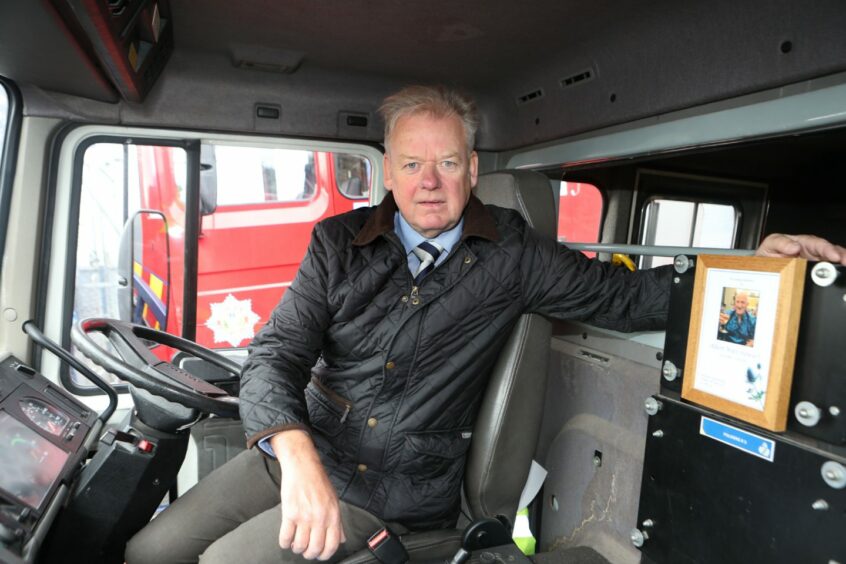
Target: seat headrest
{"points": [[526, 191]]}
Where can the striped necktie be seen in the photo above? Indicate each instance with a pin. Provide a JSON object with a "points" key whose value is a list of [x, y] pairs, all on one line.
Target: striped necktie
{"points": [[428, 253]]}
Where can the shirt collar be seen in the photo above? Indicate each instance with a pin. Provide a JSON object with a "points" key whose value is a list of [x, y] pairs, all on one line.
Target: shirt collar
{"points": [[411, 238]]}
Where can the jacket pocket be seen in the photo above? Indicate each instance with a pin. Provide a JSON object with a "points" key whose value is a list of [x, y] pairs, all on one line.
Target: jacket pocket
{"points": [[327, 410], [431, 454]]}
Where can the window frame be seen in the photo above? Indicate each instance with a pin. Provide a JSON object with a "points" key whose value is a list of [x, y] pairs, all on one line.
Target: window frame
{"points": [[748, 198], [192, 202], [55, 293], [341, 193], [9, 154], [603, 207]]}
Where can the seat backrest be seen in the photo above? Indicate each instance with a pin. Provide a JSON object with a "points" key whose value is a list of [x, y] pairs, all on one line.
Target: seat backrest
{"points": [[509, 419]]}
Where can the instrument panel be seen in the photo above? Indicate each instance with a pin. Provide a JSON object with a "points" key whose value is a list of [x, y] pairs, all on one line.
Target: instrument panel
{"points": [[41, 438], [45, 416]]}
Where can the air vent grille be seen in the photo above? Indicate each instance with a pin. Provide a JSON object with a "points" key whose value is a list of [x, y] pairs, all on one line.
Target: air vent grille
{"points": [[530, 97], [577, 78]]}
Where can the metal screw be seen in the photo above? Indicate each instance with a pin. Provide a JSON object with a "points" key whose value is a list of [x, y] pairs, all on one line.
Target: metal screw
{"points": [[807, 413], [681, 264], [820, 505], [597, 461], [823, 274], [652, 406], [638, 537], [676, 280], [669, 371], [155, 481], [834, 474], [658, 434]]}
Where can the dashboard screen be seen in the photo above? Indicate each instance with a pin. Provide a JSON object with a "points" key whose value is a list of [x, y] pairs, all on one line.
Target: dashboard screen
{"points": [[29, 463]]}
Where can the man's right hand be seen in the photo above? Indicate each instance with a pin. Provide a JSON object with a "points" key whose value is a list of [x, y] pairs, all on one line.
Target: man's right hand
{"points": [[311, 515]]}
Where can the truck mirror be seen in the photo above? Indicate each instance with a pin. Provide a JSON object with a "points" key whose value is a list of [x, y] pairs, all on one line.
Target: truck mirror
{"points": [[352, 173], [143, 284], [208, 180]]}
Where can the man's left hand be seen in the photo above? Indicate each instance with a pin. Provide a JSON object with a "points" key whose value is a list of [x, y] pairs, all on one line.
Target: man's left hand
{"points": [[808, 247]]}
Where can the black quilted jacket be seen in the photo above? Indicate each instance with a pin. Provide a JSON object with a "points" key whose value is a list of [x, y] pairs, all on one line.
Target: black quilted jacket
{"points": [[387, 376]]}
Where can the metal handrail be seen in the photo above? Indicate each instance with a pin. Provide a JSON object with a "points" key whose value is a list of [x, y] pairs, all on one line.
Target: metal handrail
{"points": [[654, 250]]}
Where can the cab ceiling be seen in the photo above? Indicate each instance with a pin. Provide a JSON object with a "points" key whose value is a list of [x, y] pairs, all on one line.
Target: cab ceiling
{"points": [[321, 58]]}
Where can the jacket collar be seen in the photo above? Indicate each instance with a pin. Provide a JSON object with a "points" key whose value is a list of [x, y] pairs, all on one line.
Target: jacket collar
{"points": [[478, 221]]}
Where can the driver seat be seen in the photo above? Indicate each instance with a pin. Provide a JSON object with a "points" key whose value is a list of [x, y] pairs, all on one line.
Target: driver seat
{"points": [[508, 423]]}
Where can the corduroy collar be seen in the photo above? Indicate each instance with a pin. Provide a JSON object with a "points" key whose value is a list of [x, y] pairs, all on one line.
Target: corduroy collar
{"points": [[478, 222]]}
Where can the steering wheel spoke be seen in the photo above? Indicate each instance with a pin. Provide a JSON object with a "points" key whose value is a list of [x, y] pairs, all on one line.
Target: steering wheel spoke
{"points": [[136, 364]]}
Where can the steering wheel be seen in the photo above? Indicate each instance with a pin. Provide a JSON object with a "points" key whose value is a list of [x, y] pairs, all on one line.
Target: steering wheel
{"points": [[141, 368]]}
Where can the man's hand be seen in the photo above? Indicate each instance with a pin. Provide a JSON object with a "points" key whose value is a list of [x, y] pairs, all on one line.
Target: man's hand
{"points": [[809, 247], [311, 516]]}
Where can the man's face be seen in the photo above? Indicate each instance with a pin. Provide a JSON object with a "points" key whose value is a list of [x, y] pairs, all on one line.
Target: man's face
{"points": [[741, 302], [430, 171]]}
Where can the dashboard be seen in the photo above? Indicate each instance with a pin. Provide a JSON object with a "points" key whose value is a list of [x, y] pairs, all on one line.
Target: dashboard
{"points": [[43, 434]]}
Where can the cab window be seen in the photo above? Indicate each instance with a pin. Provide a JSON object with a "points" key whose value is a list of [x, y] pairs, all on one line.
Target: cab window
{"points": [[579, 213], [253, 175], [686, 223], [686, 210], [257, 207], [353, 175], [130, 227]]}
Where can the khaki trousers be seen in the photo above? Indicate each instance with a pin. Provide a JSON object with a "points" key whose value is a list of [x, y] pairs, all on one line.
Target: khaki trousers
{"points": [[233, 515]]}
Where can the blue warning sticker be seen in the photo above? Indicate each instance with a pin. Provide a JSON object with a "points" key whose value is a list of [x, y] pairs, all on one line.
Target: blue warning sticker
{"points": [[738, 438]]}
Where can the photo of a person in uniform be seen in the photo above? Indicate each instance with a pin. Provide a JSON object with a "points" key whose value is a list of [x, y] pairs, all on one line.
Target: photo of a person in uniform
{"points": [[737, 323]]}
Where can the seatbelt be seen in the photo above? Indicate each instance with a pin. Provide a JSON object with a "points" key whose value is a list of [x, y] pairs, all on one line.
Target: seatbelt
{"points": [[387, 547]]}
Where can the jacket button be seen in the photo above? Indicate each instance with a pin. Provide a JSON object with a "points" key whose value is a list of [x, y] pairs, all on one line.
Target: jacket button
{"points": [[372, 422], [404, 299], [467, 260], [390, 365], [415, 301], [362, 467]]}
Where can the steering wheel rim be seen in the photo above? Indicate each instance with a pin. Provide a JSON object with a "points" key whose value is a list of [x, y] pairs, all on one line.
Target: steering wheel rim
{"points": [[158, 377]]}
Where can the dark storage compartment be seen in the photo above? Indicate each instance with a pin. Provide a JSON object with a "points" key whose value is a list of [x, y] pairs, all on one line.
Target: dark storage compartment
{"points": [[718, 490]]}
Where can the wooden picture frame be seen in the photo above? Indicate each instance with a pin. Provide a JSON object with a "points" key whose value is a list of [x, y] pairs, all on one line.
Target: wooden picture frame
{"points": [[744, 323]]}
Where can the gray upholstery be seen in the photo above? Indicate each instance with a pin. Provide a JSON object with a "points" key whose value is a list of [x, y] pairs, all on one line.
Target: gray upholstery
{"points": [[509, 420], [508, 423], [526, 191]]}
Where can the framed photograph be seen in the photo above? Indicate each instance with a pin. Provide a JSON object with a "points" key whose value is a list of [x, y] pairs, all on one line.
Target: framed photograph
{"points": [[744, 322]]}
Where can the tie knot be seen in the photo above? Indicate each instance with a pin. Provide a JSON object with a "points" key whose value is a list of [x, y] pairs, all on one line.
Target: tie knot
{"points": [[428, 253]]}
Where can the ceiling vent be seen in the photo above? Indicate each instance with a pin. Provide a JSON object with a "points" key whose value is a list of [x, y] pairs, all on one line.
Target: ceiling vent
{"points": [[578, 78], [530, 97]]}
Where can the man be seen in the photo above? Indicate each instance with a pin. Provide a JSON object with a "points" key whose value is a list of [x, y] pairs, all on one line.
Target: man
{"points": [[739, 323], [363, 386]]}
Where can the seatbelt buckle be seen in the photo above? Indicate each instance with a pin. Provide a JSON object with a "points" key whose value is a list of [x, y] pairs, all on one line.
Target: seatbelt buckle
{"points": [[387, 548]]}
